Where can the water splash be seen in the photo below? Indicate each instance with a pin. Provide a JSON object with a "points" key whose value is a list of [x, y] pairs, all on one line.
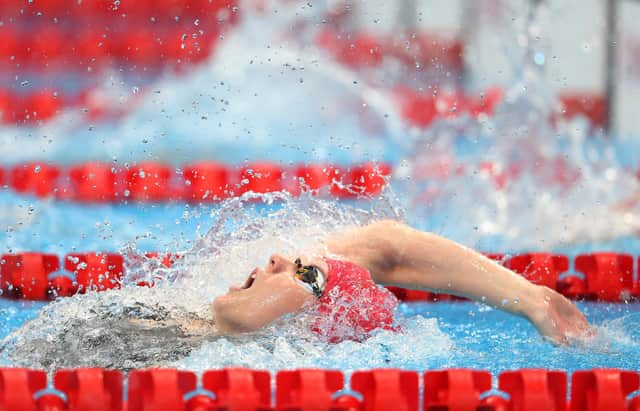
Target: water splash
{"points": [[141, 327]]}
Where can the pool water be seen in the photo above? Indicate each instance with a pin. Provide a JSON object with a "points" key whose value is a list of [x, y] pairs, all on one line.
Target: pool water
{"points": [[328, 114]]}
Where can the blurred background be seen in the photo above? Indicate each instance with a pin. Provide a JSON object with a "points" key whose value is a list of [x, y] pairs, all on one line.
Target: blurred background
{"points": [[517, 116]]}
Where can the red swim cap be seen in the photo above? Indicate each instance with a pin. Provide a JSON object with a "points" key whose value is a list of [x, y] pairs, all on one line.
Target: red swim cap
{"points": [[352, 305]]}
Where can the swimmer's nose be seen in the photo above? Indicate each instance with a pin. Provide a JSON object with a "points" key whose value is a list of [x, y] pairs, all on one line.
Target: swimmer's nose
{"points": [[277, 263]]}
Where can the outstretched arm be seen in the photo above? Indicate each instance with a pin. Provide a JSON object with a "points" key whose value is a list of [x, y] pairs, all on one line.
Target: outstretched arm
{"points": [[399, 255]]}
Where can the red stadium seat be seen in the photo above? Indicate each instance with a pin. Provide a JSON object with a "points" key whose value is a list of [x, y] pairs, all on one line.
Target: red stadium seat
{"points": [[99, 271], [486, 103], [159, 389], [261, 178], [354, 50], [47, 46], [418, 109], [41, 106], [10, 47], [18, 386], [93, 182], [307, 388], [429, 51], [239, 388], [26, 275], [456, 389], [539, 268], [140, 47], [602, 389], [590, 105], [387, 389], [608, 276], [91, 389], [532, 390], [93, 48], [206, 181], [220, 11]]}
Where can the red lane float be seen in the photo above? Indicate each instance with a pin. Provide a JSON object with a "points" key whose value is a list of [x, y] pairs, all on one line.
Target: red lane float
{"points": [[532, 390], [91, 389], [159, 389], [97, 182], [36, 276], [387, 389], [39, 179], [149, 182], [99, 271], [263, 177], [455, 389], [539, 268], [239, 388], [310, 177], [26, 275], [602, 389], [206, 181], [93, 182], [315, 389], [307, 389], [607, 276], [18, 386]]}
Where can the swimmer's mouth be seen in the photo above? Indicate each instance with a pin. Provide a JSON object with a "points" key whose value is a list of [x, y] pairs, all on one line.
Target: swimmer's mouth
{"points": [[248, 283]]}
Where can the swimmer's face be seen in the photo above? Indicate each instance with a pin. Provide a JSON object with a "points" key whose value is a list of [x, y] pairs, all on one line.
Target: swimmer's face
{"points": [[268, 293]]}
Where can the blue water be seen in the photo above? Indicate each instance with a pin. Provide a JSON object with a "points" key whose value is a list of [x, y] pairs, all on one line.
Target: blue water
{"points": [[327, 114]]}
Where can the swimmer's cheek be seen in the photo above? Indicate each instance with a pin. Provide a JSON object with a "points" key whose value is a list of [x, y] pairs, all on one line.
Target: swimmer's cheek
{"points": [[232, 319]]}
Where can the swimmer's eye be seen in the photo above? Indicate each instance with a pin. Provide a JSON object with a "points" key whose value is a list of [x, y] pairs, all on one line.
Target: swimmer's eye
{"points": [[310, 275]]}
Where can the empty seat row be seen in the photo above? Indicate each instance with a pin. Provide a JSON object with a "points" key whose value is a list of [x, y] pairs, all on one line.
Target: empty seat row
{"points": [[199, 182], [40, 276], [53, 50], [315, 389], [109, 10]]}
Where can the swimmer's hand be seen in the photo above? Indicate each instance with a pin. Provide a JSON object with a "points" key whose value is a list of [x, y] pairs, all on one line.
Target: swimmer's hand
{"points": [[558, 319]]}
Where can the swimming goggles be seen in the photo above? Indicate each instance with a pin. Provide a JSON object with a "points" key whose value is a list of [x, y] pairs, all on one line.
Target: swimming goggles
{"points": [[310, 278]]}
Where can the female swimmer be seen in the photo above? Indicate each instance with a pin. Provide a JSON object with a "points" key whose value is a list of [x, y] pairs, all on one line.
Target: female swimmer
{"points": [[338, 290], [342, 285]]}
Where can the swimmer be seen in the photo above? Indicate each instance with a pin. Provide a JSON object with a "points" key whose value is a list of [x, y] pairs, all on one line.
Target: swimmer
{"points": [[344, 285], [337, 295]]}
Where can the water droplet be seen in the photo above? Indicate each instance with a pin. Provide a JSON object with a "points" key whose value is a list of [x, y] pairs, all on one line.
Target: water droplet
{"points": [[37, 169], [135, 89]]}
